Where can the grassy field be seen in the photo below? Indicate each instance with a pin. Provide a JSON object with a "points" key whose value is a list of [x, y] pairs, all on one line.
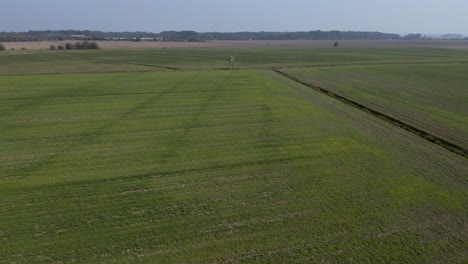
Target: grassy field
{"points": [[59, 62], [217, 166], [117, 60], [432, 97], [279, 57]]}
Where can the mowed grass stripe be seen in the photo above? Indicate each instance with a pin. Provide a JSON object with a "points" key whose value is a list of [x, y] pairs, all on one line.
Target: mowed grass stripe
{"points": [[216, 167]]}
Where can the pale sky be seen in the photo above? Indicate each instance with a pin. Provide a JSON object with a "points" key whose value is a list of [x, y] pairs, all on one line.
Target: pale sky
{"points": [[391, 16]]}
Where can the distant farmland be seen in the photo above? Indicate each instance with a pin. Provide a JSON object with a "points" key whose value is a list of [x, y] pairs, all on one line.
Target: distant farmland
{"points": [[452, 44], [107, 156]]}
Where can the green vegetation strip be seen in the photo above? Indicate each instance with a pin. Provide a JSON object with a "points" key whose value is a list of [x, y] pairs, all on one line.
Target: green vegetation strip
{"points": [[267, 58], [380, 63], [382, 115], [60, 62], [130, 62]]}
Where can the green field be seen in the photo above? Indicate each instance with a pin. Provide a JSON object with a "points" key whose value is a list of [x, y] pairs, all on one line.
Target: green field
{"points": [[221, 166], [432, 97], [59, 62], [115, 60], [279, 57]]}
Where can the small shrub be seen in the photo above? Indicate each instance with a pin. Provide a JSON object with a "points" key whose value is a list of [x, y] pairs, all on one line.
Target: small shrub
{"points": [[94, 45], [86, 45], [79, 45], [336, 44], [23, 48], [52, 47], [60, 47], [69, 46], [2, 47]]}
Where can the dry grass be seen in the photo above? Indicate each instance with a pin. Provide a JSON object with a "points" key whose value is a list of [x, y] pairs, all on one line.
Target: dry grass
{"points": [[459, 44]]}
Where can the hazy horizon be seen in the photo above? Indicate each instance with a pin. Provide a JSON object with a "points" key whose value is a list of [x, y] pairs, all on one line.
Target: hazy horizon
{"points": [[398, 16]]}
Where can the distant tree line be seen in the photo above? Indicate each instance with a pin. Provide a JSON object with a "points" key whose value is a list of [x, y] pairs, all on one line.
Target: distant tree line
{"points": [[301, 35], [305, 35], [78, 45], [45, 35], [196, 36], [413, 36]]}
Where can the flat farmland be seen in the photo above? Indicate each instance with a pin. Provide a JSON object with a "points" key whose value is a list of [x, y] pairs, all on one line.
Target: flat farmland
{"points": [[276, 57], [431, 97], [140, 60], [216, 166], [59, 62], [452, 44]]}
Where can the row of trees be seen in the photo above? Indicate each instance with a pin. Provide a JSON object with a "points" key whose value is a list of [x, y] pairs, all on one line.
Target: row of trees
{"points": [[60, 35], [77, 45], [304, 35]]}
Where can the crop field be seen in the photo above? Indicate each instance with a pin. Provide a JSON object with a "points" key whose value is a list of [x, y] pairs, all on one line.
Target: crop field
{"points": [[196, 59], [24, 63], [433, 97], [134, 60], [110, 161]]}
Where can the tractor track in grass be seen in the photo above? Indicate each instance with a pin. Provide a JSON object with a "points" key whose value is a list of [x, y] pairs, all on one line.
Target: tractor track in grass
{"points": [[427, 135], [97, 133]]}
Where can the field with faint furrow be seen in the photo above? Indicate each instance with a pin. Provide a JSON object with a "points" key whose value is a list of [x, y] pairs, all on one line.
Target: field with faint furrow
{"points": [[131, 60], [196, 59], [215, 166], [432, 97], [60, 62]]}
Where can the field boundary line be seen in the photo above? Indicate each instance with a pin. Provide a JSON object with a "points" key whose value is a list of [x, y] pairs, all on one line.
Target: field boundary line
{"points": [[450, 146], [73, 73], [128, 62]]}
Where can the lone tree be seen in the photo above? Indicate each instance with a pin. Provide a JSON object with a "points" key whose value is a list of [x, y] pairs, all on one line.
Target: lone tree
{"points": [[335, 44], [2, 48]]}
